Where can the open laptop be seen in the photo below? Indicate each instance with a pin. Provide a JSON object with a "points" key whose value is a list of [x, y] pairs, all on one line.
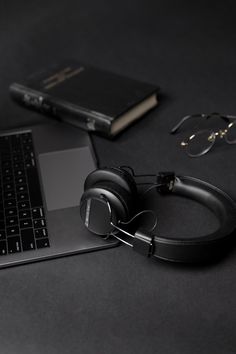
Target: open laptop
{"points": [[43, 169]]}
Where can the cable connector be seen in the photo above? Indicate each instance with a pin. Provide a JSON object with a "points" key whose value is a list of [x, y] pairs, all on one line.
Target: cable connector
{"points": [[166, 181], [143, 243]]}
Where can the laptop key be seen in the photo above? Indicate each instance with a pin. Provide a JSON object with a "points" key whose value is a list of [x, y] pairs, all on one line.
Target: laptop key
{"points": [[20, 180], [11, 212], [26, 223], [8, 186], [29, 164], [15, 140], [2, 234], [39, 223], [13, 231], [24, 214], [9, 195], [40, 233], [3, 248], [6, 164], [10, 221], [19, 173], [17, 158], [13, 244], [7, 171], [16, 149], [4, 140], [7, 179], [18, 165], [2, 224], [22, 196], [34, 187], [23, 205], [10, 203], [5, 156], [37, 213], [28, 156], [42, 243], [27, 147], [27, 238], [21, 188], [26, 138]]}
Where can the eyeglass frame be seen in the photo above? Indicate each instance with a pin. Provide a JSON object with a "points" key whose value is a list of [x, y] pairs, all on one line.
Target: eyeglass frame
{"points": [[222, 133]]}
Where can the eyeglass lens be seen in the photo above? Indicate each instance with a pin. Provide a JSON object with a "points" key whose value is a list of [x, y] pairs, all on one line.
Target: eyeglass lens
{"points": [[200, 143]]}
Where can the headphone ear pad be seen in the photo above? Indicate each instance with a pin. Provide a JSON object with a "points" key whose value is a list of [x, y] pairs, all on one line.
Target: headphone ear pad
{"points": [[117, 176], [95, 211]]}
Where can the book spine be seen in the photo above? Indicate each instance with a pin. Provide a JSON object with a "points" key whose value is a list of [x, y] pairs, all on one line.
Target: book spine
{"points": [[61, 110]]}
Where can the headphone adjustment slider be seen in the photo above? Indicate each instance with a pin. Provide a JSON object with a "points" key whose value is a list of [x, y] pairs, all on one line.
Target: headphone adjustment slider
{"points": [[166, 181], [143, 243]]}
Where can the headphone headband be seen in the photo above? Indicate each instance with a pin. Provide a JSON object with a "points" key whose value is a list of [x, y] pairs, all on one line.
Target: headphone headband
{"points": [[199, 249]]}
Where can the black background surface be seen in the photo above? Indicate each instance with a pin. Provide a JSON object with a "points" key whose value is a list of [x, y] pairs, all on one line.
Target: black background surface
{"points": [[116, 301]]}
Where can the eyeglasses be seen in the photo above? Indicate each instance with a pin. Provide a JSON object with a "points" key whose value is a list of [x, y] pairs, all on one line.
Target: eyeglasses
{"points": [[202, 141]]}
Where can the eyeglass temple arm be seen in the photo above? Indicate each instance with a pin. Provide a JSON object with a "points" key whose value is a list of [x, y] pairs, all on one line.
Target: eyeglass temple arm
{"points": [[227, 118], [183, 120], [207, 116]]}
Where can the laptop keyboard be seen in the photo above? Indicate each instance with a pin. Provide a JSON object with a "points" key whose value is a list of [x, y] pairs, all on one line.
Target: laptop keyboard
{"points": [[22, 218]]}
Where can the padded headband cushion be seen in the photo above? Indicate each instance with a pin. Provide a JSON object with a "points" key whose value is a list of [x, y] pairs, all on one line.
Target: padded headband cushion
{"points": [[114, 174], [212, 197], [208, 247]]}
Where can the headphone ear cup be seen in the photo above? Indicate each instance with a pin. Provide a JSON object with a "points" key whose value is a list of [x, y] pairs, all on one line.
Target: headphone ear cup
{"points": [[124, 197], [127, 177], [97, 214], [117, 176]]}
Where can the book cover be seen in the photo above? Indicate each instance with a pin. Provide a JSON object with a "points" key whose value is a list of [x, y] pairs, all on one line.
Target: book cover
{"points": [[87, 97]]}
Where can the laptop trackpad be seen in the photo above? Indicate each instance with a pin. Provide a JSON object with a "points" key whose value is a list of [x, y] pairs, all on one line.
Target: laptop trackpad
{"points": [[63, 175]]}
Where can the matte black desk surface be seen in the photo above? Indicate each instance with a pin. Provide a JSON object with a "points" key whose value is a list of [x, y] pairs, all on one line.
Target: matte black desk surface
{"points": [[116, 301]]}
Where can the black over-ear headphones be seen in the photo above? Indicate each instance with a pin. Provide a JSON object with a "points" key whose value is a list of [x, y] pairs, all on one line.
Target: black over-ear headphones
{"points": [[111, 199]]}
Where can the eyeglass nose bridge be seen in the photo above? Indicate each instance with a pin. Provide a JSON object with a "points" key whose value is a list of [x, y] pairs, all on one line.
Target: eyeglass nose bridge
{"points": [[221, 133]]}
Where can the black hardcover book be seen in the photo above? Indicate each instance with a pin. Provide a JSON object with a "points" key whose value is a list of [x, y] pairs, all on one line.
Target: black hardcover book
{"points": [[86, 97]]}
